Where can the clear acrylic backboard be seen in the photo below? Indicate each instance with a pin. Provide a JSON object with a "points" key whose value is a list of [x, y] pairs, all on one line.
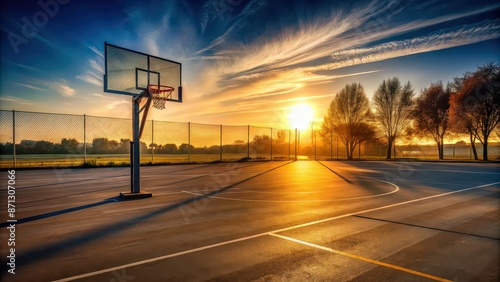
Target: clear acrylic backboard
{"points": [[129, 72]]}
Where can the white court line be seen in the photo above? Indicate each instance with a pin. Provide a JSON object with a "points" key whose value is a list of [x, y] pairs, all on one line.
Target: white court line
{"points": [[458, 171], [365, 259], [303, 201], [90, 274], [406, 166]]}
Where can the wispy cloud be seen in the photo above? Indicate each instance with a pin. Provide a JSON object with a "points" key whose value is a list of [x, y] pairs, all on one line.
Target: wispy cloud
{"points": [[216, 9], [151, 41], [446, 38], [96, 51], [115, 104], [60, 87], [242, 76], [28, 86], [15, 100], [99, 95], [30, 68], [132, 15], [94, 69], [91, 77]]}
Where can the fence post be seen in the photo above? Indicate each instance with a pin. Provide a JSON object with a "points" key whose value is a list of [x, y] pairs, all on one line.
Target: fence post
{"points": [[84, 139], [220, 148], [152, 141], [359, 151], [296, 147], [298, 143], [271, 143], [14, 138], [331, 144], [315, 144], [289, 143], [248, 142], [189, 142], [337, 147]]}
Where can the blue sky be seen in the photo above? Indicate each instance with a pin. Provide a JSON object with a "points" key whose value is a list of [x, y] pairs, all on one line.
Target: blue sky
{"points": [[244, 61]]}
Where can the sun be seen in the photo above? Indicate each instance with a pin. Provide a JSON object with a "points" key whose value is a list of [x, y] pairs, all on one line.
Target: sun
{"points": [[300, 116]]}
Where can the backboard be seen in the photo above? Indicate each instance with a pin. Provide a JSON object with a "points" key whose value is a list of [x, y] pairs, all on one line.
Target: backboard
{"points": [[129, 72]]}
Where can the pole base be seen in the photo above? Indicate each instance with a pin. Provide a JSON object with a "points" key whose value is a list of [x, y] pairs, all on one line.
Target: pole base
{"points": [[133, 196]]}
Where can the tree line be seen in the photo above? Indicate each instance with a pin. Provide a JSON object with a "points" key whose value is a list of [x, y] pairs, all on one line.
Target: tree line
{"points": [[470, 104], [259, 144]]}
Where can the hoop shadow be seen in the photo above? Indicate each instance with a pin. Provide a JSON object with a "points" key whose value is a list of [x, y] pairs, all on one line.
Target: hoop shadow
{"points": [[60, 212]]}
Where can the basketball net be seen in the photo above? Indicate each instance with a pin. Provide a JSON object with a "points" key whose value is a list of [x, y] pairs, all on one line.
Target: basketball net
{"points": [[160, 94]]}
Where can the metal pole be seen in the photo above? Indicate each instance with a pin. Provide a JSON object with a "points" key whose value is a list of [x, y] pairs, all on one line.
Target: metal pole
{"points": [[314, 136], [152, 141], [296, 139], [331, 144], [84, 139], [380, 151], [220, 148], [359, 151], [298, 143], [137, 148], [248, 142], [271, 143], [131, 167], [337, 147], [289, 143], [189, 142], [14, 138]]}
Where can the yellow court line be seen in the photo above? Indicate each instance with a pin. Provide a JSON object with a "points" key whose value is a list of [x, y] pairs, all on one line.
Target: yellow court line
{"points": [[407, 270]]}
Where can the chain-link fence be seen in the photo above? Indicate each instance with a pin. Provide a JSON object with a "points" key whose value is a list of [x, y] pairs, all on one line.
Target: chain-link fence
{"points": [[29, 139], [312, 145]]}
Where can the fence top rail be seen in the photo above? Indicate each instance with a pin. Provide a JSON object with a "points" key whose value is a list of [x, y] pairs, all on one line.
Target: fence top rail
{"points": [[39, 113], [128, 119], [204, 124], [242, 126]]}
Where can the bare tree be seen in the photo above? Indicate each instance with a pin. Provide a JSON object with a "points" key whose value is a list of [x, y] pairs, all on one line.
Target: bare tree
{"points": [[347, 116], [477, 103], [431, 113], [281, 136], [458, 123], [393, 103]]}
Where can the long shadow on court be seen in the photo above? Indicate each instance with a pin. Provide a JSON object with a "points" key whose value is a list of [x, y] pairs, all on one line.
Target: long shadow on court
{"points": [[60, 212], [209, 174], [336, 173], [115, 187], [72, 182], [52, 249]]}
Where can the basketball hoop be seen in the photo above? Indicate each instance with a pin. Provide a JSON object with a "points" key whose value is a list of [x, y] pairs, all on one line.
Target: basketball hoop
{"points": [[160, 94]]}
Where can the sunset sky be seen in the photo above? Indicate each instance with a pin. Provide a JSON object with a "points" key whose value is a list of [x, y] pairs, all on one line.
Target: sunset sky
{"points": [[244, 61]]}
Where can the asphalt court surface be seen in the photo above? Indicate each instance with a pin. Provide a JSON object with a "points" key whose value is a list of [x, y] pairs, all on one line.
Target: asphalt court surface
{"points": [[263, 221]]}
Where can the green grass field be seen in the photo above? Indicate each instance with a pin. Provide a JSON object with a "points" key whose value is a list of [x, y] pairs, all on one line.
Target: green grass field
{"points": [[63, 160], [452, 152]]}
